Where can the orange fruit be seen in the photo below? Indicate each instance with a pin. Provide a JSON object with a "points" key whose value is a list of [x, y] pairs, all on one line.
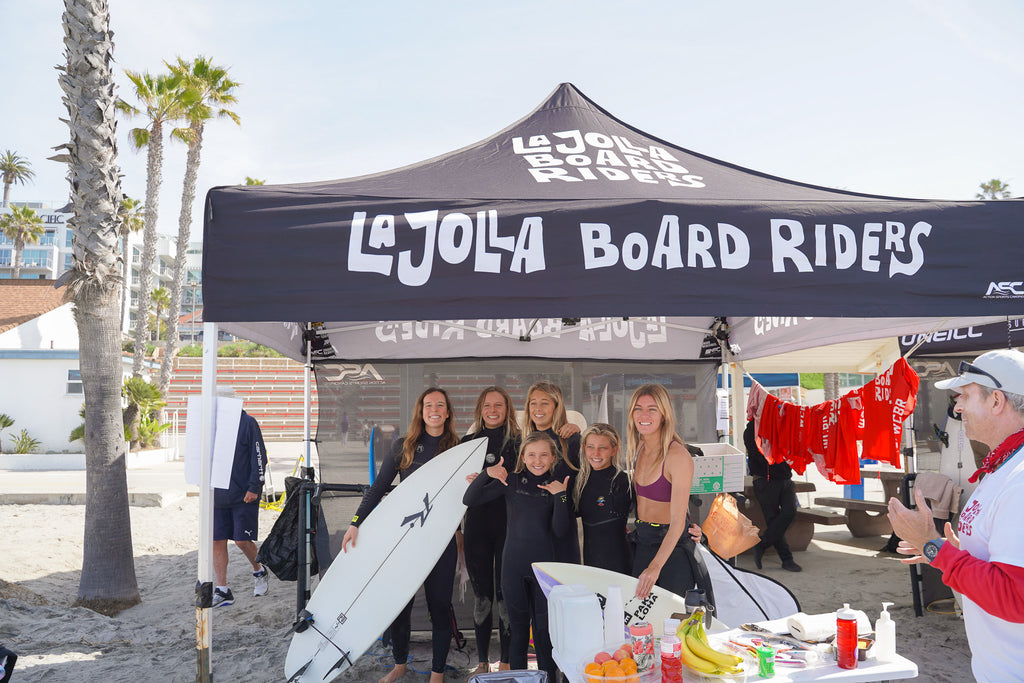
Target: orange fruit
{"points": [[628, 665]]}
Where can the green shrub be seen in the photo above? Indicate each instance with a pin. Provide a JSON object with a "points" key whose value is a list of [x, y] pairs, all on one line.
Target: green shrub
{"points": [[23, 443]]}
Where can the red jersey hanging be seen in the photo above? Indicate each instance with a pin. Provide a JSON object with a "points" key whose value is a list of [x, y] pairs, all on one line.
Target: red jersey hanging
{"points": [[888, 400]]}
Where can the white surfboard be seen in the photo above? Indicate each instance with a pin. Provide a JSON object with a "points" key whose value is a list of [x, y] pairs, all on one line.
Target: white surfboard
{"points": [[398, 545], [655, 608]]}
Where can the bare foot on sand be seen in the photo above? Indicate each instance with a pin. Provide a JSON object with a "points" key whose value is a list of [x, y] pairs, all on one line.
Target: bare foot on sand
{"points": [[395, 674], [504, 666], [436, 677], [481, 668]]}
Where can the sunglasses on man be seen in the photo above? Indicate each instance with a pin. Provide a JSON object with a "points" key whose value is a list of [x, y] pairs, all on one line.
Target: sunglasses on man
{"points": [[967, 367]]}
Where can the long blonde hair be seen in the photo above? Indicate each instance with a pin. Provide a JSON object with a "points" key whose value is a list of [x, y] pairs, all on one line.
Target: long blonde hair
{"points": [[531, 439], [511, 426], [668, 425], [558, 420], [449, 437], [598, 429]]}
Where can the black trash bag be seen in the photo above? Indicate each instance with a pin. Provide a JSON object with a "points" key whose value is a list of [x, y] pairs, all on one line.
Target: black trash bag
{"points": [[280, 550]]}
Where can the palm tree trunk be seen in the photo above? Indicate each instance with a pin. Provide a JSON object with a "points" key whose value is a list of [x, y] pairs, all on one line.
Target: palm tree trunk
{"points": [[188, 195], [154, 173], [19, 246], [108, 567], [7, 194], [126, 267], [108, 582]]}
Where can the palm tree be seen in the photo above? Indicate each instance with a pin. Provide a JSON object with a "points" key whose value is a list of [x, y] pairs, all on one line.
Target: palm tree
{"points": [[161, 299], [6, 421], [23, 226], [993, 189], [14, 170], [107, 583], [129, 219], [254, 181], [163, 99], [213, 89]]}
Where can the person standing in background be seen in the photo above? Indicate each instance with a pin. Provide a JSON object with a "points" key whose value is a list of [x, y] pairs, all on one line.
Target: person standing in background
{"points": [[776, 495], [236, 508]]}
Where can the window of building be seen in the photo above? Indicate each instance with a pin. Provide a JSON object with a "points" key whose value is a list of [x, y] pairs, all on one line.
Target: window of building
{"points": [[67, 261], [74, 382], [69, 235]]}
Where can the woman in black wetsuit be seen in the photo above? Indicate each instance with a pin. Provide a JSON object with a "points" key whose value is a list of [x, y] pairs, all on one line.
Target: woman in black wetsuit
{"points": [[484, 528], [545, 412], [431, 431], [604, 498], [538, 520]]}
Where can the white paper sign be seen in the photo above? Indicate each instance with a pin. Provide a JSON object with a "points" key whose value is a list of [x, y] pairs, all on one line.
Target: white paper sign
{"points": [[722, 412], [227, 415]]}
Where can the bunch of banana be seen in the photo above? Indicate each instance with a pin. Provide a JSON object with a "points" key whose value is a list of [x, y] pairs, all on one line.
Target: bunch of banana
{"points": [[697, 652]]}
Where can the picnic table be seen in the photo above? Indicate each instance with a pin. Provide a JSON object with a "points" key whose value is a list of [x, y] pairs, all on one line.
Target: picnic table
{"points": [[801, 530], [869, 517]]}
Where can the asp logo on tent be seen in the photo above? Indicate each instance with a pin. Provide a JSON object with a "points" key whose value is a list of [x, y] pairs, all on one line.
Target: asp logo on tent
{"points": [[352, 373]]}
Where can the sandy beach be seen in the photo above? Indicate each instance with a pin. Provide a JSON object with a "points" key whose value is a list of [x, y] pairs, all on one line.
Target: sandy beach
{"points": [[155, 641]]}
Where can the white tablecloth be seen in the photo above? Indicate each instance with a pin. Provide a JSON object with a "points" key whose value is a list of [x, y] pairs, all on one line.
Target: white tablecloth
{"points": [[869, 670]]}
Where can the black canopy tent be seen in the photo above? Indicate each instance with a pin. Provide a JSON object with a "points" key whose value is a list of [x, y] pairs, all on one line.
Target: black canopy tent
{"points": [[571, 213]]}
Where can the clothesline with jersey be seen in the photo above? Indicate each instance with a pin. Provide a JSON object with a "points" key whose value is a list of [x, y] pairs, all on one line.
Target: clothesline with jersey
{"points": [[827, 433]]}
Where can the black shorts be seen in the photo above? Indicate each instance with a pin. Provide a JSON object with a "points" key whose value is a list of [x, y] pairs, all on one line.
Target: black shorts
{"points": [[237, 522]]}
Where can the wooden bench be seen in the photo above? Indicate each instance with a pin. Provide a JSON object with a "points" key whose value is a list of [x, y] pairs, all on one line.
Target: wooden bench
{"points": [[863, 517]]}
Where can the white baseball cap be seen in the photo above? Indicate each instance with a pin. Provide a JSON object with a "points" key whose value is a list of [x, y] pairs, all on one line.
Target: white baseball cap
{"points": [[1003, 370]]}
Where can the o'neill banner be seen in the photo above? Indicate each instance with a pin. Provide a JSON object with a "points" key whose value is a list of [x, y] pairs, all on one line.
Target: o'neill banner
{"points": [[970, 339], [570, 213]]}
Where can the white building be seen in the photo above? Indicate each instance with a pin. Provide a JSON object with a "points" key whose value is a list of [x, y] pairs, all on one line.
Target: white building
{"points": [[39, 375], [51, 257]]}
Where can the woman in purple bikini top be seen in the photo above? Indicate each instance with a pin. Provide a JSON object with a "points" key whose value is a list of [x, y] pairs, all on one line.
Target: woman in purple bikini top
{"points": [[660, 490], [662, 541]]}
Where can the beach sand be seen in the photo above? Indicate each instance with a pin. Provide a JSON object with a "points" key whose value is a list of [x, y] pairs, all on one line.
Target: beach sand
{"points": [[155, 641]]}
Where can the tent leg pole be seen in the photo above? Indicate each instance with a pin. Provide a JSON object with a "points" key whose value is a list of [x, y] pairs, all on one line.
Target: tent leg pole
{"points": [[204, 586], [302, 585], [738, 407]]}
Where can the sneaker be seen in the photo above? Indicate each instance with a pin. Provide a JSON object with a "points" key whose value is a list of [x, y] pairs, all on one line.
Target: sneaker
{"points": [[262, 581], [222, 598]]}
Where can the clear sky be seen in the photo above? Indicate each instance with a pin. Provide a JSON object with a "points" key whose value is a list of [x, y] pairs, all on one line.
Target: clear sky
{"points": [[896, 97]]}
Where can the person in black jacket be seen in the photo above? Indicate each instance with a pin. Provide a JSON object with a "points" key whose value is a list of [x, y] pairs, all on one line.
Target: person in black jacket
{"points": [[431, 432], [545, 412], [776, 495], [236, 508], [484, 527], [538, 522], [604, 497]]}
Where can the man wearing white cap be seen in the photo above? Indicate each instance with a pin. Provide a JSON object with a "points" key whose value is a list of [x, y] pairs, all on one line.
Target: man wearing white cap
{"points": [[985, 563]]}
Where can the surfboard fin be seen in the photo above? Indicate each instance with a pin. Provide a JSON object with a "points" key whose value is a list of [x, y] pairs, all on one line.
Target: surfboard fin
{"points": [[298, 674], [344, 658]]}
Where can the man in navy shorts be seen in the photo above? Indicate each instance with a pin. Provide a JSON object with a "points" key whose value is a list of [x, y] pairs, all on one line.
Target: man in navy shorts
{"points": [[236, 508]]}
